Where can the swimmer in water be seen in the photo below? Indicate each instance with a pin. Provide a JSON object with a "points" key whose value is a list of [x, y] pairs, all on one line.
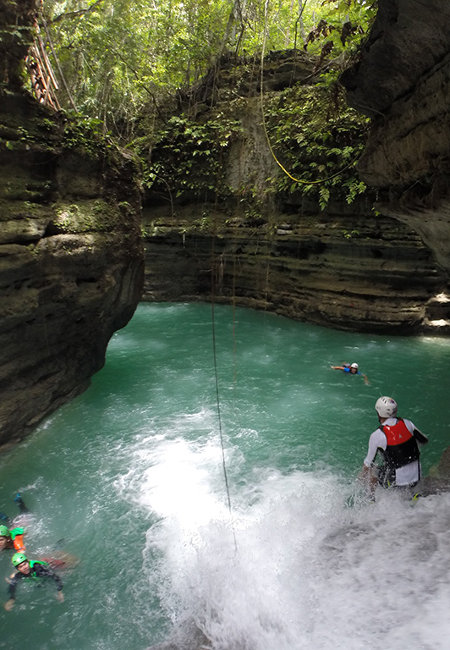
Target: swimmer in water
{"points": [[352, 369], [11, 536], [31, 569]]}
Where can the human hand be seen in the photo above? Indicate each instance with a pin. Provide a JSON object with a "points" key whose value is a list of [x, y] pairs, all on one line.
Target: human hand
{"points": [[9, 604], [367, 475], [60, 596]]}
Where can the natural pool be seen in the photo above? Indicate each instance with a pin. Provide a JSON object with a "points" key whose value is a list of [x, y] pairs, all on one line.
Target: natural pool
{"points": [[131, 476]]}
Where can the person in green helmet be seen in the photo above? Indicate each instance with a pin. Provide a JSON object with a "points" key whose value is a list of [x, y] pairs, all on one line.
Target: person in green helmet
{"points": [[29, 570], [11, 538]]}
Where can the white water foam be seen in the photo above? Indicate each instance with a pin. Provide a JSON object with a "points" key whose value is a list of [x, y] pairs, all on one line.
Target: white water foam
{"points": [[293, 568]]}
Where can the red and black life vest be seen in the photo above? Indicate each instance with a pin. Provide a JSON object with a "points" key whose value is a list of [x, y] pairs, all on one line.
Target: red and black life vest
{"points": [[402, 447]]}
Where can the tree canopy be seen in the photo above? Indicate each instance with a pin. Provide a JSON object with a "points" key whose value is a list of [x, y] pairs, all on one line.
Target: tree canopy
{"points": [[116, 57]]}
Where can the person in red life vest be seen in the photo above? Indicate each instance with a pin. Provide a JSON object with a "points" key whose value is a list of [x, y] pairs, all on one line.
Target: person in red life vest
{"points": [[34, 570], [397, 440]]}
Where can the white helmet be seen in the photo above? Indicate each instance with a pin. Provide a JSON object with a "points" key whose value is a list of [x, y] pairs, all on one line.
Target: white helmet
{"points": [[386, 407], [354, 365]]}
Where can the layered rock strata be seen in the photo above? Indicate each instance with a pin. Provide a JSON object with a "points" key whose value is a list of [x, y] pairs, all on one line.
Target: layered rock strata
{"points": [[71, 261], [345, 268], [71, 257], [352, 272]]}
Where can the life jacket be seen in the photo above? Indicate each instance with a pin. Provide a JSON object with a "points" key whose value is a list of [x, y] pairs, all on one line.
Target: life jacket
{"points": [[32, 574], [401, 447], [17, 539]]}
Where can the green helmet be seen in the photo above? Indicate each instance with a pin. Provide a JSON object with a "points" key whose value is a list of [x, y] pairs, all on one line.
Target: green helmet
{"points": [[18, 558], [4, 531]]}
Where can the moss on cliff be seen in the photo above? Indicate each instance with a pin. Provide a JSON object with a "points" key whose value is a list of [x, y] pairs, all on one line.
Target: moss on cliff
{"points": [[85, 216], [71, 256], [296, 138]]}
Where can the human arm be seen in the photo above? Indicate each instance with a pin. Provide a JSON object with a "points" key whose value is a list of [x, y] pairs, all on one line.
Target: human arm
{"points": [[420, 437], [337, 367], [13, 580], [368, 477], [366, 381], [44, 571], [377, 441]]}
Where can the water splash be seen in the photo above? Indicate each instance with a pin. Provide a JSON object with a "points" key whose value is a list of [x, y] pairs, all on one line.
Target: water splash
{"points": [[308, 572]]}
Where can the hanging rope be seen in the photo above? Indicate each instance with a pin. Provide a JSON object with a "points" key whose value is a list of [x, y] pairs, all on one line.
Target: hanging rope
{"points": [[297, 180], [219, 416]]}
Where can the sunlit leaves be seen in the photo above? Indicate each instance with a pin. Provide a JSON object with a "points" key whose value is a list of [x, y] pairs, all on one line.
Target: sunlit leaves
{"points": [[187, 154], [118, 56]]}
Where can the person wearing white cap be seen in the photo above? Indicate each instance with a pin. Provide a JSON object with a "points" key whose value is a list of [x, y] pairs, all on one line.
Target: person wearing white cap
{"points": [[352, 369], [397, 440]]}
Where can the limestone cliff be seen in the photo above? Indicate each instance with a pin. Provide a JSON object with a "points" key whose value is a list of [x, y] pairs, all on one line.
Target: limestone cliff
{"points": [[71, 260], [346, 266], [403, 82], [350, 271]]}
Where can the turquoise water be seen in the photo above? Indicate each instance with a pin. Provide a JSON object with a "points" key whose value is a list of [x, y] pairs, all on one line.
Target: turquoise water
{"points": [[130, 477]]}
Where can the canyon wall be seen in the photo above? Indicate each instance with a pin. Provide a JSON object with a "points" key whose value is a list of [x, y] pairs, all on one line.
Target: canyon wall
{"points": [[355, 272], [71, 258], [376, 265], [402, 81]]}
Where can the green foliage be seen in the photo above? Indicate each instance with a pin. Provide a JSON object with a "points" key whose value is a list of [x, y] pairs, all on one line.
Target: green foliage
{"points": [[187, 155], [318, 140], [127, 59], [119, 57], [85, 216], [351, 234], [313, 134], [86, 134], [340, 24]]}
